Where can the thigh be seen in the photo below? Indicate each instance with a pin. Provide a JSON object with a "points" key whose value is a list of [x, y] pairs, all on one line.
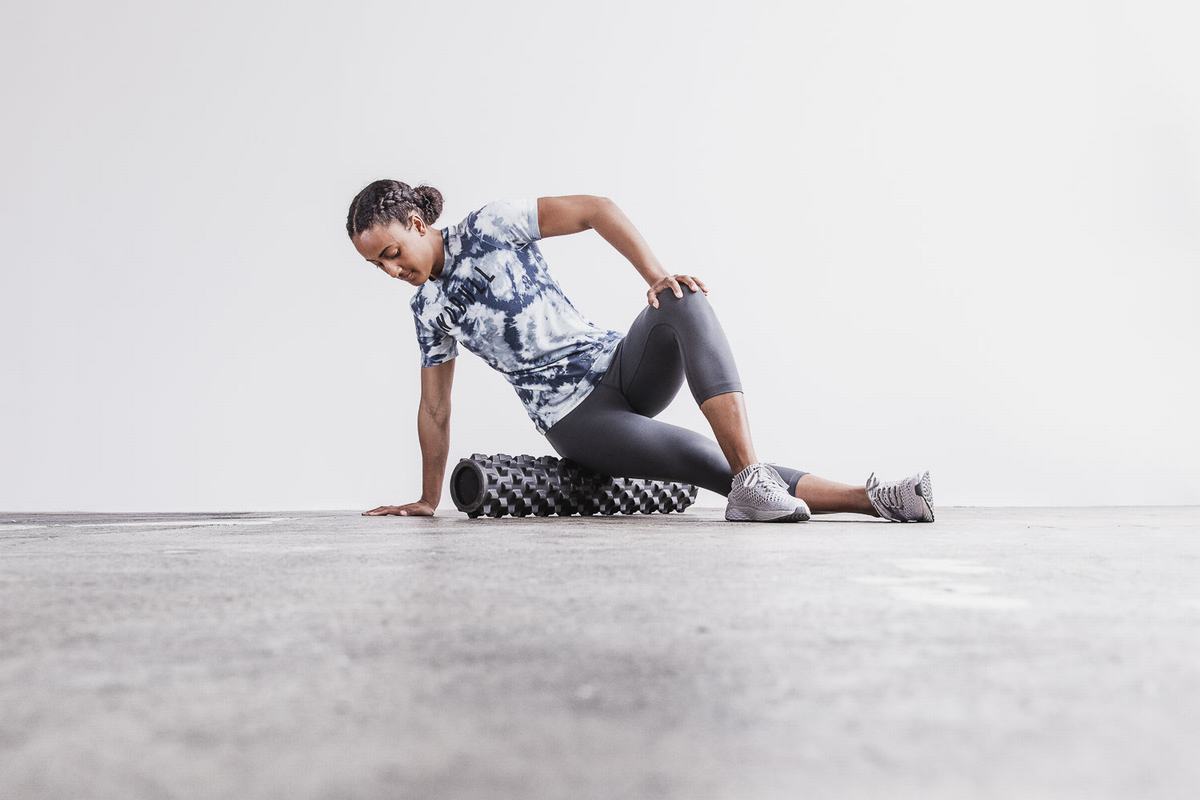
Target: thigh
{"points": [[649, 366], [605, 434], [680, 340]]}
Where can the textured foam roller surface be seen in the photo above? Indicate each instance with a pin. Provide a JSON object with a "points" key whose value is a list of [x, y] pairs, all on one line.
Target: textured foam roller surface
{"points": [[524, 485]]}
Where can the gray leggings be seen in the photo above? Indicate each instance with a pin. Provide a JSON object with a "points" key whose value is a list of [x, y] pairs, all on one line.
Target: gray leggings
{"points": [[612, 430]]}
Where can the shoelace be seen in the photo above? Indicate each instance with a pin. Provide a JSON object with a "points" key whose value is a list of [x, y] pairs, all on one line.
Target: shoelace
{"points": [[761, 473], [889, 495]]}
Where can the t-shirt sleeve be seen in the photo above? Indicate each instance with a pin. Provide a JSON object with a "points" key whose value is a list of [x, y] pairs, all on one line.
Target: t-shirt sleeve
{"points": [[513, 222], [437, 346]]}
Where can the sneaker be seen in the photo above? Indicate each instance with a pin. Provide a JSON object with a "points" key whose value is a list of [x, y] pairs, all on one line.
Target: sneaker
{"points": [[906, 500], [760, 494]]}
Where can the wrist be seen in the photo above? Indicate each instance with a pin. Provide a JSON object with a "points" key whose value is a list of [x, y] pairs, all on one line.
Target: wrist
{"points": [[655, 275]]}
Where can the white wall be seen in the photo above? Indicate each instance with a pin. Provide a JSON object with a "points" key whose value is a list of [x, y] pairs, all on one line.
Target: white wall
{"points": [[943, 235]]}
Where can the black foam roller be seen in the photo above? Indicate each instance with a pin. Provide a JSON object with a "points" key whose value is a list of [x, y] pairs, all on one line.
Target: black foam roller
{"points": [[524, 485]]}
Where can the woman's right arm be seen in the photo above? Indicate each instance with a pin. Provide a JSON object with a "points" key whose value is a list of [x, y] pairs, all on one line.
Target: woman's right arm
{"points": [[433, 432]]}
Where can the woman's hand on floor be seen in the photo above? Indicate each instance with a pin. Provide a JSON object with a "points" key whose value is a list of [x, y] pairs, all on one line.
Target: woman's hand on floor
{"points": [[672, 282], [416, 509]]}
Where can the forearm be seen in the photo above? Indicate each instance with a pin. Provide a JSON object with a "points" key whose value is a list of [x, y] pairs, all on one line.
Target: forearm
{"points": [[616, 229], [434, 434]]}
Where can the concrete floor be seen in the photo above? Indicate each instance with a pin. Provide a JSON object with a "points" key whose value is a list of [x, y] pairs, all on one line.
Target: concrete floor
{"points": [[1016, 653]]}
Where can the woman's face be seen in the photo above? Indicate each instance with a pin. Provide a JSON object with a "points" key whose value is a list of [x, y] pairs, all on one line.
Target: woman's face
{"points": [[411, 254]]}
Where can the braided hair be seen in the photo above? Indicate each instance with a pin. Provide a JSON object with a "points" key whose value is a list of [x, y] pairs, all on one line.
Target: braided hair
{"points": [[385, 200]]}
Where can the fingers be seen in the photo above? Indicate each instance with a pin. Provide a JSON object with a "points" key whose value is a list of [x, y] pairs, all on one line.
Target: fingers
{"points": [[383, 511], [693, 283], [406, 510]]}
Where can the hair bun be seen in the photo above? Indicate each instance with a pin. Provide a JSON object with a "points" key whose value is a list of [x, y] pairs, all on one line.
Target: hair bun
{"points": [[429, 200]]}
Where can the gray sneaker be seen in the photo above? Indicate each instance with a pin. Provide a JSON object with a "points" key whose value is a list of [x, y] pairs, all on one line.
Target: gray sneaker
{"points": [[906, 500], [760, 494]]}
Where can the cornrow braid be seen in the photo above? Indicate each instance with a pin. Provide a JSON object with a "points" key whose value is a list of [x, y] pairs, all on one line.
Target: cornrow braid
{"points": [[386, 200]]}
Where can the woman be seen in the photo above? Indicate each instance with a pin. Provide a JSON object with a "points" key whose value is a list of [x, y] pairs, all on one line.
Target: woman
{"points": [[592, 392]]}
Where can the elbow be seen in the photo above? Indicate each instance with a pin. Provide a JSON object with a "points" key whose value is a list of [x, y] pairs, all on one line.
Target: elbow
{"points": [[602, 205], [438, 413]]}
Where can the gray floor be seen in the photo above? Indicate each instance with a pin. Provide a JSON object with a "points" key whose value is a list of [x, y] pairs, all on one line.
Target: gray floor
{"points": [[996, 653]]}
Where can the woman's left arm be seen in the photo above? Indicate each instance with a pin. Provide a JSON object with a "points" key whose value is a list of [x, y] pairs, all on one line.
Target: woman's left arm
{"points": [[558, 216]]}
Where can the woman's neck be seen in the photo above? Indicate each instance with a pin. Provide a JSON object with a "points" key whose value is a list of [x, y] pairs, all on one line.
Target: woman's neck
{"points": [[440, 261]]}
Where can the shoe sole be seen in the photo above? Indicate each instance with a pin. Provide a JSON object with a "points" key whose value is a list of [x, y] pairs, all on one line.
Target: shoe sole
{"points": [[799, 514]]}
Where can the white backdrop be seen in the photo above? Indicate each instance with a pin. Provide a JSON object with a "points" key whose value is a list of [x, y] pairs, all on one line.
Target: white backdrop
{"points": [[940, 235]]}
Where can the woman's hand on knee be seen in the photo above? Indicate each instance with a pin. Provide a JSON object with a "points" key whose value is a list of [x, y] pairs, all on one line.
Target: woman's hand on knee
{"points": [[419, 508], [672, 282]]}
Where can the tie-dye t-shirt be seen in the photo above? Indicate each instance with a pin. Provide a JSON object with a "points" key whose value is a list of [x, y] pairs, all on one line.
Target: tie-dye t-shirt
{"points": [[497, 297]]}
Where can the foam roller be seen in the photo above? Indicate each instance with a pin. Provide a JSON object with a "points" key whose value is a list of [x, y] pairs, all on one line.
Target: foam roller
{"points": [[525, 485]]}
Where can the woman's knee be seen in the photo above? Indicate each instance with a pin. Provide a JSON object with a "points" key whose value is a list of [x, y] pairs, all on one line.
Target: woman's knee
{"points": [[690, 303]]}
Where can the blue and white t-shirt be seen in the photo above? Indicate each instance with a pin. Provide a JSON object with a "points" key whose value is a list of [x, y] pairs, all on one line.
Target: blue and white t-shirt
{"points": [[496, 296]]}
